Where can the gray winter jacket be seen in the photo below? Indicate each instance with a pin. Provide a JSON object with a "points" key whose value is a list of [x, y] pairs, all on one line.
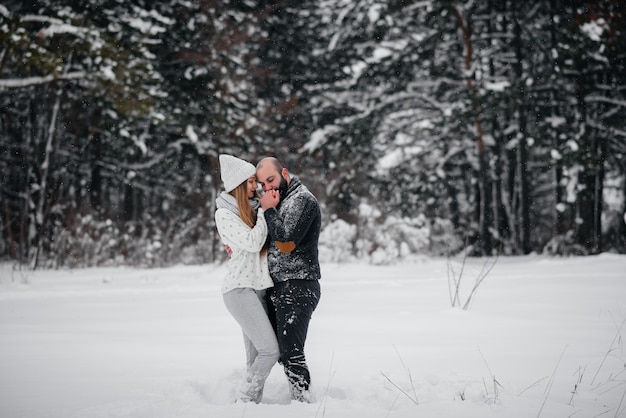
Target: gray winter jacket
{"points": [[294, 230]]}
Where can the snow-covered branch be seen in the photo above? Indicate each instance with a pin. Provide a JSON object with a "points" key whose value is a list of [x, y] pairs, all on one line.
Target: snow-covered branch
{"points": [[604, 99], [16, 83]]}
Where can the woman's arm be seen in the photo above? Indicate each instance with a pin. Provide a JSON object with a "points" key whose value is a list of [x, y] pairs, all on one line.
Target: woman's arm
{"points": [[236, 234]]}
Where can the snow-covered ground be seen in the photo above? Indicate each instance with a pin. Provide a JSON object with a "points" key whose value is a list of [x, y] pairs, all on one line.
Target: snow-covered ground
{"points": [[543, 337]]}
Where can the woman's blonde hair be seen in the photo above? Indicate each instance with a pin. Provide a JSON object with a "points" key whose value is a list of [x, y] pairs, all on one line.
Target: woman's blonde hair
{"points": [[246, 213]]}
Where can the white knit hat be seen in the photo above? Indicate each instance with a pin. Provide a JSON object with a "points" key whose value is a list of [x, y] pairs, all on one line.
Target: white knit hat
{"points": [[234, 171]]}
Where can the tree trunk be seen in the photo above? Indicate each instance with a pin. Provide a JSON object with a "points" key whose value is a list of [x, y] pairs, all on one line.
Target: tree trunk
{"points": [[587, 158], [9, 228], [129, 203], [598, 199], [522, 157], [40, 214], [560, 226], [500, 221], [483, 191], [95, 188], [621, 235]]}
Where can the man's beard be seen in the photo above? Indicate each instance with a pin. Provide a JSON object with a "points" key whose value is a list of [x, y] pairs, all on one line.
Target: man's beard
{"points": [[282, 188]]}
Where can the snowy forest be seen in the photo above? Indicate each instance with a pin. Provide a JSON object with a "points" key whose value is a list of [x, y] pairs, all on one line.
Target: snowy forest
{"points": [[434, 127]]}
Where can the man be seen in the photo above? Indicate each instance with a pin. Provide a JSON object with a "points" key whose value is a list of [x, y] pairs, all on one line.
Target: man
{"points": [[293, 219]]}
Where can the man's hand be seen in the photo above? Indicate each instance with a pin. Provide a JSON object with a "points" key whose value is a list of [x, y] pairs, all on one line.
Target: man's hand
{"points": [[229, 250], [270, 199]]}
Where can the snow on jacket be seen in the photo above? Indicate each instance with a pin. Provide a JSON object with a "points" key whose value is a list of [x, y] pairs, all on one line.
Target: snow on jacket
{"points": [[294, 229], [245, 267]]}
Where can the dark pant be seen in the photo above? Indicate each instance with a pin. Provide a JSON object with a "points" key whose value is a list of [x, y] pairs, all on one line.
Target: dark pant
{"points": [[294, 302]]}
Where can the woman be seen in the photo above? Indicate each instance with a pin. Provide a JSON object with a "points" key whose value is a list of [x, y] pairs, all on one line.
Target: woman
{"points": [[241, 225]]}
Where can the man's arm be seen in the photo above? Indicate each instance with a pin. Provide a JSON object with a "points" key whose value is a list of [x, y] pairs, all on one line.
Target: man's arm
{"points": [[289, 231]]}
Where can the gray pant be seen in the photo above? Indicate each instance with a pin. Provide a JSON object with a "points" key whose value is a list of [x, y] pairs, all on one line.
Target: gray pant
{"points": [[249, 308]]}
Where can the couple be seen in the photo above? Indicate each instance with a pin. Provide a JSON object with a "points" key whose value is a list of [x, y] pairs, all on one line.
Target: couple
{"points": [[271, 286]]}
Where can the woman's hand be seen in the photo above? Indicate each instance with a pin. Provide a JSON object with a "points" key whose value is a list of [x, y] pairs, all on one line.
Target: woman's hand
{"points": [[270, 199]]}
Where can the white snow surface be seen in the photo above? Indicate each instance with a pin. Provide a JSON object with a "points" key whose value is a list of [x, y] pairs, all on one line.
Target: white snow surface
{"points": [[543, 337]]}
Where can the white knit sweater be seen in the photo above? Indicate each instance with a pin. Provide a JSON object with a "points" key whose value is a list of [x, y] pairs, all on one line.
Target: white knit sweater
{"points": [[245, 268]]}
